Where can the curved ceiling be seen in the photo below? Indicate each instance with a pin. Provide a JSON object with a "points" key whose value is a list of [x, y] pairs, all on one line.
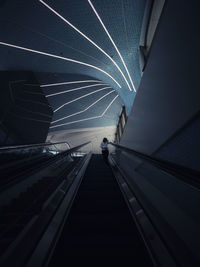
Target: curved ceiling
{"points": [[81, 40]]}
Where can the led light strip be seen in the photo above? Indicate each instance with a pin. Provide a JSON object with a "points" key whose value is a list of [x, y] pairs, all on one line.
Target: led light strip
{"points": [[79, 112], [86, 37], [57, 84], [112, 43], [63, 83], [76, 99], [96, 117], [59, 57], [75, 89]]}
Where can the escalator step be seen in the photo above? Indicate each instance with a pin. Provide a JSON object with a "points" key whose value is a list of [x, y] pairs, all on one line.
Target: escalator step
{"points": [[99, 228]]}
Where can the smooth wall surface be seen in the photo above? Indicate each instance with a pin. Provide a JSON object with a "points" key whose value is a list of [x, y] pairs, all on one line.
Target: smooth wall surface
{"points": [[169, 92]]}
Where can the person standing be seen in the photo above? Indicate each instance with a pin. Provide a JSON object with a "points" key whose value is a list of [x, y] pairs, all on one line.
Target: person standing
{"points": [[104, 149]]}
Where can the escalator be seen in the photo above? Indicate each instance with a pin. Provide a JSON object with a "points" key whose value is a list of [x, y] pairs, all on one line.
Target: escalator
{"points": [[99, 229]]}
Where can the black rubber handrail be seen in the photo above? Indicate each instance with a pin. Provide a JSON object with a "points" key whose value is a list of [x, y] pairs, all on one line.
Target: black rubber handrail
{"points": [[32, 145], [188, 175], [18, 176]]}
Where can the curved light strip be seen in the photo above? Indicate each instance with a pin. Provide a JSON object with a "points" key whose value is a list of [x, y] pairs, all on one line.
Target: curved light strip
{"points": [[79, 112], [52, 39], [91, 118], [59, 57], [113, 44], [75, 89], [76, 99], [56, 84], [86, 37]]}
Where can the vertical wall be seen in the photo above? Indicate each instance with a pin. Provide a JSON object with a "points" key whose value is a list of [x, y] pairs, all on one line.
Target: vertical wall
{"points": [[165, 122], [169, 93]]}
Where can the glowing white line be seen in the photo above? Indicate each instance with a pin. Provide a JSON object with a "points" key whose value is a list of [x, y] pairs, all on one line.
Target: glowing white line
{"points": [[113, 44], [59, 57], [96, 117], [76, 99], [86, 37], [79, 112], [109, 105], [56, 84], [75, 89]]}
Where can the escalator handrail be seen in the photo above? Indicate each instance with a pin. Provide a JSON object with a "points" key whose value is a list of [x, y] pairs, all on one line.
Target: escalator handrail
{"points": [[21, 175], [188, 175], [32, 145]]}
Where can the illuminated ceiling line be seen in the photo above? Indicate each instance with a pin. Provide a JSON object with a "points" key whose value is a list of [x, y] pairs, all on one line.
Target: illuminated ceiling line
{"points": [[57, 84], [76, 89], [112, 41], [76, 99], [87, 38], [79, 112], [54, 40], [91, 118], [63, 83], [59, 57]]}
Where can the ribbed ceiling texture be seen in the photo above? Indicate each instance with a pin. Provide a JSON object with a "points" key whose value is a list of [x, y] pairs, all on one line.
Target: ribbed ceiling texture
{"points": [[87, 49]]}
